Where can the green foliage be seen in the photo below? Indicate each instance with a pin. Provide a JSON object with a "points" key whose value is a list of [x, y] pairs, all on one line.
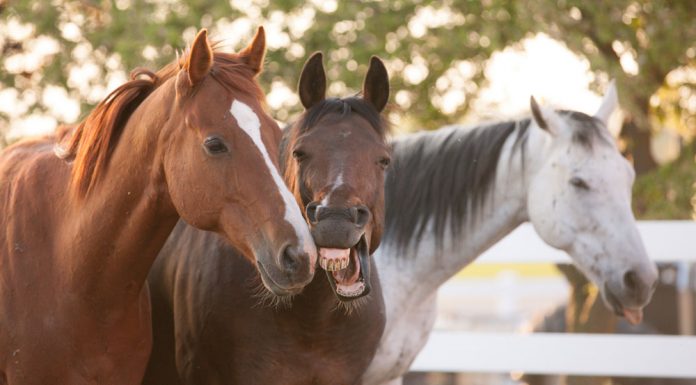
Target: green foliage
{"points": [[668, 192], [657, 33], [121, 29]]}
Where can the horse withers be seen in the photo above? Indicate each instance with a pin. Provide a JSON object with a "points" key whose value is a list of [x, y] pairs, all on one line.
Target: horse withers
{"points": [[82, 229], [212, 322], [452, 193]]}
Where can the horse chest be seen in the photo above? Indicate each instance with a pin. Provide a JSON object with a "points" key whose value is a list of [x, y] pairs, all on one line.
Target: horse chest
{"points": [[325, 356], [303, 369], [405, 334]]}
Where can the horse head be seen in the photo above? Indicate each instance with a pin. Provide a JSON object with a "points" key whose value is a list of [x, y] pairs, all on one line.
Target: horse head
{"points": [[334, 161], [220, 162], [580, 201]]}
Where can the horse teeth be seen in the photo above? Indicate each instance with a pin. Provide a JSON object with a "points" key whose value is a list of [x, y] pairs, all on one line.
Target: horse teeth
{"points": [[332, 265], [344, 264], [324, 263]]}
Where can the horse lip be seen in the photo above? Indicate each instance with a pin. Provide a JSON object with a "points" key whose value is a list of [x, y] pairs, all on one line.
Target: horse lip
{"points": [[613, 301], [272, 285]]}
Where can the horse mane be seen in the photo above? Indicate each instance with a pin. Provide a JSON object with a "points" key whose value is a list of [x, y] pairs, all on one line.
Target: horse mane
{"points": [[444, 176], [587, 128], [343, 107], [93, 140], [447, 175]]}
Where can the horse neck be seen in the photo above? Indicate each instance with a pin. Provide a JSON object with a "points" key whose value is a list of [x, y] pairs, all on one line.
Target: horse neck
{"points": [[430, 263], [124, 221]]}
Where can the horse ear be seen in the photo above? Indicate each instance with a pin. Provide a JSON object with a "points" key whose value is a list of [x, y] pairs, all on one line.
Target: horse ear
{"points": [[609, 104], [536, 113], [376, 85], [312, 86], [200, 58], [255, 52], [545, 118]]}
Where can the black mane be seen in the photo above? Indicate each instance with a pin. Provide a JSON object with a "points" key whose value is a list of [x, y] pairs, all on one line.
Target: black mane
{"points": [[586, 128], [444, 176], [343, 107]]}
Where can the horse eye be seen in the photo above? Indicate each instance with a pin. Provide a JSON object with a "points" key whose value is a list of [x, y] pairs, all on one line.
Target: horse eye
{"points": [[214, 145], [299, 155], [384, 162], [579, 183]]}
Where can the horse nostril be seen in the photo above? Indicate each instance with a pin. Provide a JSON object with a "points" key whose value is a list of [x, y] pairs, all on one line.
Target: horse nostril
{"points": [[291, 259], [360, 215], [631, 280], [311, 212]]}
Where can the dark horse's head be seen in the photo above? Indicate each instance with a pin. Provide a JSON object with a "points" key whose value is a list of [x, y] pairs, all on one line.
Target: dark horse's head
{"points": [[334, 159]]}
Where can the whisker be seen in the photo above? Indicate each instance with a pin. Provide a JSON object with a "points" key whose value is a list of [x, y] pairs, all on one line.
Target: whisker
{"points": [[265, 298]]}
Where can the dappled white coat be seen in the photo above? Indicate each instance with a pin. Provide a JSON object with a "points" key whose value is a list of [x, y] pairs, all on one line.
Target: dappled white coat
{"points": [[587, 224]]}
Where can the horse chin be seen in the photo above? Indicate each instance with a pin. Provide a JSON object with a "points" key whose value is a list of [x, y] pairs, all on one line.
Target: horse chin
{"points": [[272, 287], [633, 315], [349, 281]]}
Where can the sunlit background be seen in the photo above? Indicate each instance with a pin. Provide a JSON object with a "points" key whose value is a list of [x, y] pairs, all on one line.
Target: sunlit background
{"points": [[449, 62]]}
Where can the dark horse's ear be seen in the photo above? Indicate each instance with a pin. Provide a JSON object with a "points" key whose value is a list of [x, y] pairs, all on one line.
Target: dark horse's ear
{"points": [[376, 85], [312, 87], [200, 58], [254, 53]]}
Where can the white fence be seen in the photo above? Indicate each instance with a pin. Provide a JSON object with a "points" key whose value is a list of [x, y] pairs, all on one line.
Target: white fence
{"points": [[572, 354]]}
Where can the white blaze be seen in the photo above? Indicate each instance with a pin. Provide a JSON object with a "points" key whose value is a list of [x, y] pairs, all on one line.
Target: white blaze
{"points": [[250, 124], [336, 184]]}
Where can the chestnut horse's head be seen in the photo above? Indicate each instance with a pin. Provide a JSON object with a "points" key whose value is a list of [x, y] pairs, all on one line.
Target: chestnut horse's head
{"points": [[220, 162], [334, 159]]}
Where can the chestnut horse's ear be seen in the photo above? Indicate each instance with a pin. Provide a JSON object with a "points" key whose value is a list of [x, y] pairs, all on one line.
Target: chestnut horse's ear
{"points": [[255, 52], [200, 58], [376, 85], [312, 87]]}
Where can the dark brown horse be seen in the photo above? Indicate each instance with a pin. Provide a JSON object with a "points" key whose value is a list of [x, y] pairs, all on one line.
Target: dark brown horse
{"points": [[81, 231], [211, 323]]}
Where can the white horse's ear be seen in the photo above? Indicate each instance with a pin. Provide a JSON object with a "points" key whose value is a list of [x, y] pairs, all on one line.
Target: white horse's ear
{"points": [[609, 104], [544, 117]]}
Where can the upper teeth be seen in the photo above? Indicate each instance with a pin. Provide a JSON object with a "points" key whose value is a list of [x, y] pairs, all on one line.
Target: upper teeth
{"points": [[334, 259], [333, 264]]}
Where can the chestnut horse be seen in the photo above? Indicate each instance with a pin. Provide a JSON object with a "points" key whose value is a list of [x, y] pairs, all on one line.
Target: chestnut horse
{"points": [[212, 324], [82, 230]]}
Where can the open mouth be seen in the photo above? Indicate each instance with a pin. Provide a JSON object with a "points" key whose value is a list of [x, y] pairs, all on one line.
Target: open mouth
{"points": [[347, 270], [634, 315]]}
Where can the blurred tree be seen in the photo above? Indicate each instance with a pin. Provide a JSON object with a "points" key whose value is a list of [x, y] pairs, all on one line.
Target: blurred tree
{"points": [[433, 49], [637, 42], [670, 191]]}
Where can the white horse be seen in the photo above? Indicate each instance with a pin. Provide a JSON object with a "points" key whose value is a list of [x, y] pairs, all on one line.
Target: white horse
{"points": [[453, 193]]}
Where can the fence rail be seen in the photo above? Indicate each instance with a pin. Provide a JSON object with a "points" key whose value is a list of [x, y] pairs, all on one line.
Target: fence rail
{"points": [[555, 353], [665, 241], [571, 354]]}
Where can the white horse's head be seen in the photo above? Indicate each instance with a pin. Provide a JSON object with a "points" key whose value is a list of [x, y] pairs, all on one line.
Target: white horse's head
{"points": [[580, 201]]}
